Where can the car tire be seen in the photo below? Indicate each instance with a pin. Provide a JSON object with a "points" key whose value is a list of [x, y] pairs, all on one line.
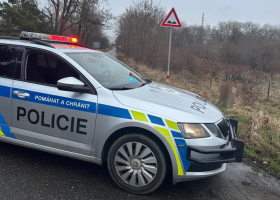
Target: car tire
{"points": [[136, 163]]}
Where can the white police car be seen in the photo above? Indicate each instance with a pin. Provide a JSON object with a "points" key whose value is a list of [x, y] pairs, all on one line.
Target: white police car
{"points": [[62, 97]]}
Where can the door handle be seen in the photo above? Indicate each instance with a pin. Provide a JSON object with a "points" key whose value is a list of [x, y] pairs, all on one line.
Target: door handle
{"points": [[21, 94]]}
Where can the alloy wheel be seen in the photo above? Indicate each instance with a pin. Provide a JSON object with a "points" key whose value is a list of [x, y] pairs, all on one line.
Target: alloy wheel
{"points": [[136, 164]]}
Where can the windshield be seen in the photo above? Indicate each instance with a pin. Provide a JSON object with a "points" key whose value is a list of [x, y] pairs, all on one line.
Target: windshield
{"points": [[108, 71]]}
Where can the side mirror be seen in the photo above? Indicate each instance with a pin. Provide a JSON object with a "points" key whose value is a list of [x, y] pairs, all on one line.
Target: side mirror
{"points": [[71, 84]]}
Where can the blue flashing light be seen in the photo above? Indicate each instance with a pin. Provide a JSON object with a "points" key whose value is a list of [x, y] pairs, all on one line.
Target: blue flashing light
{"points": [[132, 80]]}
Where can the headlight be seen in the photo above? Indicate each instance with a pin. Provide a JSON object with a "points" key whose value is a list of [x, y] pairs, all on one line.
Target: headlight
{"points": [[214, 129], [192, 131]]}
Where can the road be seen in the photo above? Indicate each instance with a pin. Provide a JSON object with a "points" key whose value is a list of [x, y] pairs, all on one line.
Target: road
{"points": [[112, 52], [30, 174]]}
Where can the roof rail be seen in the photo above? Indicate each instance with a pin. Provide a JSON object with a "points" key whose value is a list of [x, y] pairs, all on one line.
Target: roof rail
{"points": [[10, 38], [36, 41]]}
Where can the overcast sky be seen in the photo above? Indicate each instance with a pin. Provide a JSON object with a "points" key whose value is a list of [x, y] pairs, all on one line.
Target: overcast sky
{"points": [[190, 11]]}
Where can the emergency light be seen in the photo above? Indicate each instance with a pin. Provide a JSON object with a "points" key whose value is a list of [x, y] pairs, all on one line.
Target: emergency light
{"points": [[42, 36]]}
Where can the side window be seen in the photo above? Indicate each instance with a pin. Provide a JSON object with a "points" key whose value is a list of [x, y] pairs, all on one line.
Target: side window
{"points": [[19, 56], [7, 61], [46, 69]]}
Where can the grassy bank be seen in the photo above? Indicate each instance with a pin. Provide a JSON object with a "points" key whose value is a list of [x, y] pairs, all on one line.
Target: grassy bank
{"points": [[259, 124], [104, 50]]}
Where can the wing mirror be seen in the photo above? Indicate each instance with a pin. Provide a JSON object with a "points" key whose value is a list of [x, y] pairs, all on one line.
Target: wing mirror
{"points": [[71, 84]]}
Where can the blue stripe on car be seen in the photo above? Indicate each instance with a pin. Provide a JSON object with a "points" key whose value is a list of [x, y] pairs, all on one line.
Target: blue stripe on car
{"points": [[183, 153], [5, 91], [113, 111], [5, 130], [64, 102], [57, 101], [2, 120], [176, 134], [156, 120]]}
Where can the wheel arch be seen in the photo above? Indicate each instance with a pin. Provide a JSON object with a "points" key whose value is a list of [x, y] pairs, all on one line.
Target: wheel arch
{"points": [[160, 140]]}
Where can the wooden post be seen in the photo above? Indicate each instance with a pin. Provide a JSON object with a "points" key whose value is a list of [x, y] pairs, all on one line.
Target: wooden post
{"points": [[267, 98], [227, 95]]}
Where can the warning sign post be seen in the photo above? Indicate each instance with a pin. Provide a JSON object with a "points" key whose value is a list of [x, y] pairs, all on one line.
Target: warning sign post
{"points": [[171, 21]]}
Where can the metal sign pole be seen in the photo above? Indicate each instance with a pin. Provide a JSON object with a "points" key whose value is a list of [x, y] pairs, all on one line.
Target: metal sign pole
{"points": [[171, 20], [168, 66]]}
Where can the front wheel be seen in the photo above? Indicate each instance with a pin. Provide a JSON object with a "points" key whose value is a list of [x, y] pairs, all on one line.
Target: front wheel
{"points": [[136, 163]]}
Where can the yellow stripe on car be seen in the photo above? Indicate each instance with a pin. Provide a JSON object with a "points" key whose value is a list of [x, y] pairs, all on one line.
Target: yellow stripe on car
{"points": [[139, 116], [163, 131], [172, 124], [1, 133], [166, 133], [179, 166]]}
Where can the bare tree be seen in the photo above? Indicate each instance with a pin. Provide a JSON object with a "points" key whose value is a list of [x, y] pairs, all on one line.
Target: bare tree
{"points": [[85, 19]]}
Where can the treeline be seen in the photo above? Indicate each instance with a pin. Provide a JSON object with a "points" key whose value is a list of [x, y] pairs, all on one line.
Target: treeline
{"points": [[231, 42], [246, 53], [85, 19]]}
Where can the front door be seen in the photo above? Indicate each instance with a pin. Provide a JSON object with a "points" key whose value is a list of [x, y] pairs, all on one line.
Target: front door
{"points": [[44, 115]]}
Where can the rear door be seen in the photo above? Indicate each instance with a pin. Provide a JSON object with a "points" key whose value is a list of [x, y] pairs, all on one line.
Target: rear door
{"points": [[44, 115], [10, 58]]}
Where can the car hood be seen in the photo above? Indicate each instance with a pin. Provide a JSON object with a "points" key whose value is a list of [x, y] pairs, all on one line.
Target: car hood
{"points": [[170, 102]]}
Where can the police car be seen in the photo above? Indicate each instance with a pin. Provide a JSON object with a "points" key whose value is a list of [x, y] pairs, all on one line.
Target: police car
{"points": [[62, 97]]}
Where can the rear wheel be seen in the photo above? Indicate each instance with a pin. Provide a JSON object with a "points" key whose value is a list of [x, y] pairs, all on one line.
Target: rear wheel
{"points": [[136, 163]]}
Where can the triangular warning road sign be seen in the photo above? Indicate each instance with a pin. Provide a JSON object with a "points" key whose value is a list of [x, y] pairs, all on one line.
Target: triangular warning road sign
{"points": [[171, 20]]}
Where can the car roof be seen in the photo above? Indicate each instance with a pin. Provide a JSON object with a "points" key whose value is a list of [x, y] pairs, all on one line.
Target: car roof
{"points": [[71, 48], [59, 51], [48, 45]]}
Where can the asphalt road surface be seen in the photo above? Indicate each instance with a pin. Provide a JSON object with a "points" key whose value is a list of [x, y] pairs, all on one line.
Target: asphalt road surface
{"points": [[30, 174], [112, 52]]}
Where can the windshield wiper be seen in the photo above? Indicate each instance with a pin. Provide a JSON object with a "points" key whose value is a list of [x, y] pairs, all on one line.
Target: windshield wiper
{"points": [[120, 88], [147, 80], [143, 84]]}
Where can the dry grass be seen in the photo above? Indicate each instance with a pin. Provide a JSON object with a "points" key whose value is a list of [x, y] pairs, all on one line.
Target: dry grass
{"points": [[104, 50], [259, 124]]}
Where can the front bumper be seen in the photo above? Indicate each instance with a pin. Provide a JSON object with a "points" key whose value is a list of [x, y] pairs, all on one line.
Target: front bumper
{"points": [[189, 176], [207, 161], [231, 153]]}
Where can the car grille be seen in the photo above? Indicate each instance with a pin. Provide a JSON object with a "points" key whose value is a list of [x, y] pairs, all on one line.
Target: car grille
{"points": [[194, 167], [223, 125]]}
